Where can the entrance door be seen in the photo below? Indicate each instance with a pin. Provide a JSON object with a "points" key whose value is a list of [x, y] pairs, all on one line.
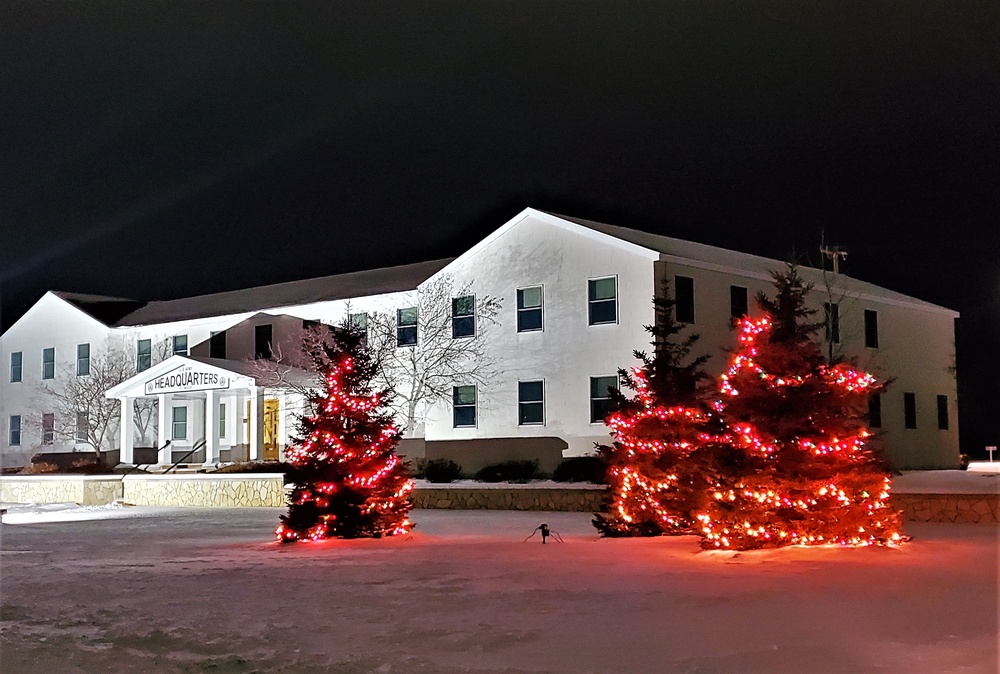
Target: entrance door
{"points": [[271, 429]]}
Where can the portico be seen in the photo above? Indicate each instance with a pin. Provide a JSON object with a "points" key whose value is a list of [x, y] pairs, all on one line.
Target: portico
{"points": [[216, 407]]}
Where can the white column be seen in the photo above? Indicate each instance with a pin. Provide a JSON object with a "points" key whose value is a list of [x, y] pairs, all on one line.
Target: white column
{"points": [[165, 428], [127, 430], [256, 424], [211, 428]]}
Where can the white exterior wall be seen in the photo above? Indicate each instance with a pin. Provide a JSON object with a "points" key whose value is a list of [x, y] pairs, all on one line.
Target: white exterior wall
{"points": [[568, 351], [51, 322]]}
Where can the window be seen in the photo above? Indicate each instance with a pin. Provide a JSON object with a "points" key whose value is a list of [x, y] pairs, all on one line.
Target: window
{"points": [[82, 360], [832, 314], [180, 345], [602, 296], [359, 322], [48, 428], [15, 366], [530, 403], [48, 363], [406, 326], [180, 423], [217, 344], [684, 299], [222, 420], [82, 427], [942, 409], [14, 435], [875, 410], [463, 316], [529, 309], [464, 403], [910, 410], [143, 355], [601, 404], [262, 341], [738, 305], [871, 329]]}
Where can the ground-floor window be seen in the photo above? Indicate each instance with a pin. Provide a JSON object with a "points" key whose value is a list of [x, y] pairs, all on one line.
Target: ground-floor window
{"points": [[14, 435], [530, 403], [464, 405], [48, 428], [180, 418], [82, 427], [601, 404]]}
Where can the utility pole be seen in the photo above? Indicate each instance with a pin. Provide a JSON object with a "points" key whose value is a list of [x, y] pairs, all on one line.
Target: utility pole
{"points": [[835, 254]]}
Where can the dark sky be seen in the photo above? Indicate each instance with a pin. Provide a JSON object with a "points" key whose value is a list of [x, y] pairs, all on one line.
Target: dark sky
{"points": [[156, 150]]}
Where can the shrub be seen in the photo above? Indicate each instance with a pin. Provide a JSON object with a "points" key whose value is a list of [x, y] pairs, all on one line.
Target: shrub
{"points": [[89, 465], [509, 471], [582, 469], [441, 470], [39, 468]]}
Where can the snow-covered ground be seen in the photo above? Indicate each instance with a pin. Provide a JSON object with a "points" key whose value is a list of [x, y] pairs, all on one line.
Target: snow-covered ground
{"points": [[206, 590]]}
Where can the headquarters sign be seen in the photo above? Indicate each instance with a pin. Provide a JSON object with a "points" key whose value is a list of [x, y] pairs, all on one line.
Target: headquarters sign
{"points": [[186, 378]]}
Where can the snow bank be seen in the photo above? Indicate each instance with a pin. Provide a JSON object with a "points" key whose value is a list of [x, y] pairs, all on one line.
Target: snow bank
{"points": [[946, 482]]}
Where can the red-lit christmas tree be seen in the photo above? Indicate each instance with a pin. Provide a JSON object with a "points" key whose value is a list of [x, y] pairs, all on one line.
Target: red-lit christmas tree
{"points": [[799, 470], [655, 478], [348, 480]]}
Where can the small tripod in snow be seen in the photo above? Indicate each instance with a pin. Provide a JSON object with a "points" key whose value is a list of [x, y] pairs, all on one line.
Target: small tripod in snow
{"points": [[546, 532]]}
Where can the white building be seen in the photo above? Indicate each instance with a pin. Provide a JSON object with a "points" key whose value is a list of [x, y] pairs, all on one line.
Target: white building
{"points": [[575, 297]]}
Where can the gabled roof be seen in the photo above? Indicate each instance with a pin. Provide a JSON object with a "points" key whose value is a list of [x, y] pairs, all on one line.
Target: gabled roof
{"points": [[752, 266], [103, 308], [293, 293]]}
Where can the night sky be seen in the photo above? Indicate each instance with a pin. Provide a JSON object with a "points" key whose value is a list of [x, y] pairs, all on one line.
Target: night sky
{"points": [[157, 150]]}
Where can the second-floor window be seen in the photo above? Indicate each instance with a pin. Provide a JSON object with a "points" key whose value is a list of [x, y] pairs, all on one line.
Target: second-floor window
{"points": [[262, 335], [48, 363], [463, 316], [222, 420], [738, 304], [910, 410], [529, 309], [871, 328], [875, 410], [82, 360], [602, 300], [683, 299], [180, 344], [217, 345], [143, 354], [942, 413], [359, 322], [16, 366], [406, 326]]}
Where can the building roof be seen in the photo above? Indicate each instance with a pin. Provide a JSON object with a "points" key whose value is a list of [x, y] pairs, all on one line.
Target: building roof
{"points": [[747, 264], [107, 310], [293, 293]]}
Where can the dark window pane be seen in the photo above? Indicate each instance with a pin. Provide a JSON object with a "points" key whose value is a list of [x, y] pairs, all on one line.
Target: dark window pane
{"points": [[942, 410], [82, 360], [463, 306], [464, 395], [600, 409], [738, 306], [599, 386], [684, 299], [530, 391], [910, 410], [871, 329], [181, 345], [217, 345], [262, 341], [48, 363], [465, 416], [529, 319], [875, 410], [530, 413], [603, 312], [406, 316], [601, 289], [15, 366], [463, 327], [406, 336]]}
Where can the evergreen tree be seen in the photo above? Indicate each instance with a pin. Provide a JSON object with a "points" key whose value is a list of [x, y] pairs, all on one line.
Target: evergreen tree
{"points": [[655, 481], [348, 480], [800, 469]]}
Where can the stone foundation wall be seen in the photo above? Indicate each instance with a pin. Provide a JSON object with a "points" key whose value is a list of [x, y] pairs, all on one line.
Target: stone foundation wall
{"points": [[571, 500], [230, 490], [83, 489], [959, 508]]}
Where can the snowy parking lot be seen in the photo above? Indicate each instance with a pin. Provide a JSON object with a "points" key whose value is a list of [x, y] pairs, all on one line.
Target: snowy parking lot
{"points": [[150, 590]]}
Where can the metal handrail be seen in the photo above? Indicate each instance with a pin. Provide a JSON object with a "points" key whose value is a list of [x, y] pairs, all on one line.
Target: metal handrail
{"points": [[181, 460], [136, 466]]}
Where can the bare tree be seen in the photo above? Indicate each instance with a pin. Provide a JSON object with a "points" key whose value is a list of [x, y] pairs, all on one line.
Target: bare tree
{"points": [[144, 411], [81, 412], [440, 356]]}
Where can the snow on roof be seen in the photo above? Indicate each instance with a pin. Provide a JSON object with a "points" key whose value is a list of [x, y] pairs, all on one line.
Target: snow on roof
{"points": [[292, 293], [747, 264]]}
